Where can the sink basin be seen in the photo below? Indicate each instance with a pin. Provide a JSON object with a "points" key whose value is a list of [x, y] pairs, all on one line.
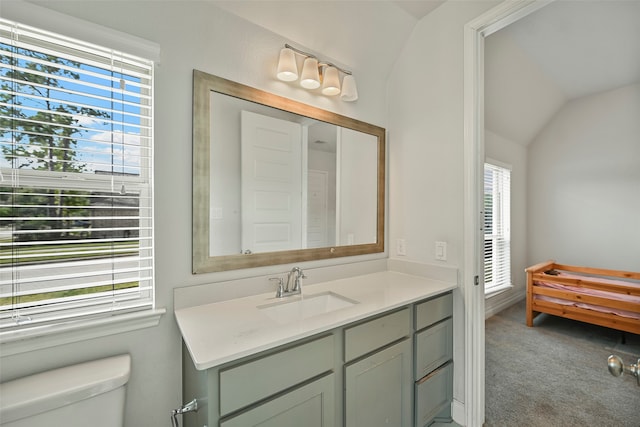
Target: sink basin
{"points": [[305, 307]]}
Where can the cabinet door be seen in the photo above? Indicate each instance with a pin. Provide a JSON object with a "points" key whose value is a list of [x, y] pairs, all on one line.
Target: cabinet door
{"points": [[378, 388], [312, 405]]}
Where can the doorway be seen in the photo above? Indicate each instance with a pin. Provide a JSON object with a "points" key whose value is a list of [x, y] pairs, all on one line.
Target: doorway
{"points": [[475, 34], [473, 291]]}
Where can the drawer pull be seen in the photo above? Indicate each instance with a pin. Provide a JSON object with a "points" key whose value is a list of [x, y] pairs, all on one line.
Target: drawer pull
{"points": [[433, 374]]}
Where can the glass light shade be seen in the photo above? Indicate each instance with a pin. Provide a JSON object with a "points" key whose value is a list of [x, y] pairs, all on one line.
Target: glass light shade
{"points": [[331, 82], [310, 78], [349, 89], [287, 68]]}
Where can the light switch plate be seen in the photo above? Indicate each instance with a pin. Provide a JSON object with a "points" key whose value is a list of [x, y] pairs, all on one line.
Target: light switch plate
{"points": [[401, 247], [441, 251]]}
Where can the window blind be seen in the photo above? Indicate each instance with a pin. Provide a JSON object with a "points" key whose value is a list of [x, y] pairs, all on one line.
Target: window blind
{"points": [[497, 227], [76, 190]]}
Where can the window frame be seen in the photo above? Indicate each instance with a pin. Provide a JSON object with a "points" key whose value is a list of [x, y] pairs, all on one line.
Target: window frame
{"points": [[502, 278], [15, 341]]}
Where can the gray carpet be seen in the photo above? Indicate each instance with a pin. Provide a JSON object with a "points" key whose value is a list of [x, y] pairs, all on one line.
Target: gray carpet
{"points": [[555, 374]]}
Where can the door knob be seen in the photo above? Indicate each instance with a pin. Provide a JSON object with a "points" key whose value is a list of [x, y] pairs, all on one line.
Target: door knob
{"points": [[617, 367]]}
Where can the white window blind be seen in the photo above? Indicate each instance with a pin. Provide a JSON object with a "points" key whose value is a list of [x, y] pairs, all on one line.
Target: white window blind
{"points": [[497, 227], [76, 193]]}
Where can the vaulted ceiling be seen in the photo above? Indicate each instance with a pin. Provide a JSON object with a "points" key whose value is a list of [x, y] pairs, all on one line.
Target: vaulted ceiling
{"points": [[566, 50]]}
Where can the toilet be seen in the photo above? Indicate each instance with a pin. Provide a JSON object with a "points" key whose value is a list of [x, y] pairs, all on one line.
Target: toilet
{"points": [[87, 394]]}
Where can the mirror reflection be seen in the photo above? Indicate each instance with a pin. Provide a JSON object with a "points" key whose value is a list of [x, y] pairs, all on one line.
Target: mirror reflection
{"points": [[276, 181], [281, 181]]}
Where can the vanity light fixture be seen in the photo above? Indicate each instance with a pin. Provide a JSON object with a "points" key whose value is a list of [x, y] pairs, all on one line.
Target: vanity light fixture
{"points": [[310, 78], [316, 73], [287, 69]]}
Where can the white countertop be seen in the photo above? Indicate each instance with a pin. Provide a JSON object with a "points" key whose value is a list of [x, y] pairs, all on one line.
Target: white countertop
{"points": [[220, 332]]}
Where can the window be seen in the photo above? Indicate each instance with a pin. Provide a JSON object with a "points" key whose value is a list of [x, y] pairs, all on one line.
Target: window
{"points": [[497, 227], [76, 199]]}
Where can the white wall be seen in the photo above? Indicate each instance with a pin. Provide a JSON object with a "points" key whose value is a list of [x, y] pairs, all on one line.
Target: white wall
{"points": [[519, 97], [357, 180], [426, 122], [191, 35], [506, 151], [584, 183]]}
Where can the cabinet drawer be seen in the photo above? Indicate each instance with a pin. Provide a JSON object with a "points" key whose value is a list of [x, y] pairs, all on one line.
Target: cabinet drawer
{"points": [[434, 310], [376, 333], [312, 405], [434, 394], [257, 379], [434, 347]]}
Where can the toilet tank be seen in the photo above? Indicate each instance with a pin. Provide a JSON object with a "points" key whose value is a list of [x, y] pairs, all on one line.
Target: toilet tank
{"points": [[87, 394]]}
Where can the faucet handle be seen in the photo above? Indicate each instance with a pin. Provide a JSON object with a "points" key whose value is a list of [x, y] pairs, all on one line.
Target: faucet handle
{"points": [[300, 275], [280, 291]]}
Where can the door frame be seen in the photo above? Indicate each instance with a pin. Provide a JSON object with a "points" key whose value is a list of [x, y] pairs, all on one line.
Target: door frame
{"points": [[325, 178], [472, 286]]}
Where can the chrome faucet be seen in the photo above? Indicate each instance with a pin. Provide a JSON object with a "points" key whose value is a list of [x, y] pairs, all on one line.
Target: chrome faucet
{"points": [[297, 274], [293, 285]]}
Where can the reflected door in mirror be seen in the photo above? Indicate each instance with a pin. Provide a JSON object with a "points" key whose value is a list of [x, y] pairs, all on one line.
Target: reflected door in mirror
{"points": [[272, 166]]}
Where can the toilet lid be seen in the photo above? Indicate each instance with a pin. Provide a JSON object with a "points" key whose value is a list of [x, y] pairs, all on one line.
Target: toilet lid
{"points": [[28, 396]]}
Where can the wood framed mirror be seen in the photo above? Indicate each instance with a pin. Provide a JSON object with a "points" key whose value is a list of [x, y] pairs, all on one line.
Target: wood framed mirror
{"points": [[276, 181]]}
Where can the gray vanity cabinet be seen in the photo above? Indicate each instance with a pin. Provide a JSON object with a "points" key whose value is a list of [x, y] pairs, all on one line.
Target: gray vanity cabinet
{"points": [[393, 369], [433, 346], [378, 372]]}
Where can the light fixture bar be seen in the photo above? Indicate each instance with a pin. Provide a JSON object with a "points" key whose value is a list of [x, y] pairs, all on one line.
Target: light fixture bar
{"points": [[320, 63], [316, 74]]}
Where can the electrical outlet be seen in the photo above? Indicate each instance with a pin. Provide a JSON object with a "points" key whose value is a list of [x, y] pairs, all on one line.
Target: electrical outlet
{"points": [[401, 247], [441, 251]]}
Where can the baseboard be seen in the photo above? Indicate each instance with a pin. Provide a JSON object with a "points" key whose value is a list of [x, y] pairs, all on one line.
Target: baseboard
{"points": [[491, 309], [457, 412]]}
